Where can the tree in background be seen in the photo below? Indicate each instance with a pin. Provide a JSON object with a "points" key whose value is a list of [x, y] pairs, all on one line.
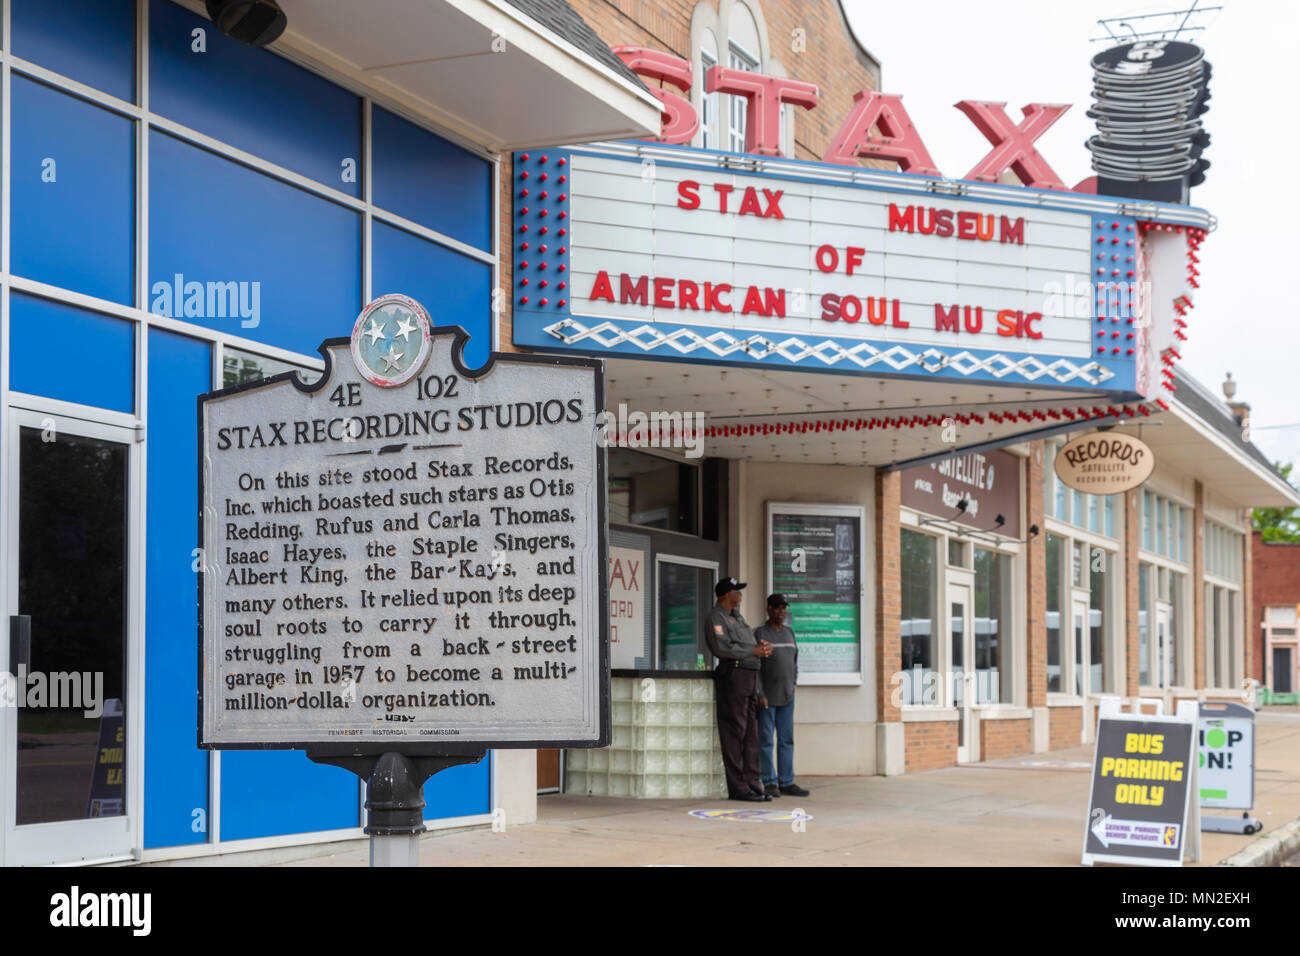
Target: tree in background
{"points": [[1278, 524]]}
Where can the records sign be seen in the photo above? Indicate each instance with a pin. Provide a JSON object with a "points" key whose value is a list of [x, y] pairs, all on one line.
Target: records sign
{"points": [[1104, 463]]}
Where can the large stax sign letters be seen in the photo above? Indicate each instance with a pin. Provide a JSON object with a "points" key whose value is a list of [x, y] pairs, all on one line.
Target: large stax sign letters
{"points": [[877, 127]]}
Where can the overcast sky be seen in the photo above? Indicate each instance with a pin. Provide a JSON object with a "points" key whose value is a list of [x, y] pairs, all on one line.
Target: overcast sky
{"points": [[1020, 51]]}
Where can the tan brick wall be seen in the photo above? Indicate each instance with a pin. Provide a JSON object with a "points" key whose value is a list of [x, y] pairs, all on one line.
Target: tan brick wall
{"points": [[1198, 587], [1252, 634], [1064, 727], [1131, 502], [929, 744], [1036, 582], [889, 586], [1000, 739]]}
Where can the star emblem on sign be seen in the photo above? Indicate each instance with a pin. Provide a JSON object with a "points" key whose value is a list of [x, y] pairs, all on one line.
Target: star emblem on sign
{"points": [[391, 340]]}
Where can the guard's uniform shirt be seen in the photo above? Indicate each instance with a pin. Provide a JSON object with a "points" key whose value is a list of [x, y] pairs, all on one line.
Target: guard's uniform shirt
{"points": [[730, 639]]}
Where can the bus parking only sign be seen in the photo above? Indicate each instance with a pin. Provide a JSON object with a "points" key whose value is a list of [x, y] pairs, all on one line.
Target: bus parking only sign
{"points": [[1141, 784]]}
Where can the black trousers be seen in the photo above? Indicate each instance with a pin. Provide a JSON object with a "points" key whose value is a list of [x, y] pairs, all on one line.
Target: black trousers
{"points": [[736, 692]]}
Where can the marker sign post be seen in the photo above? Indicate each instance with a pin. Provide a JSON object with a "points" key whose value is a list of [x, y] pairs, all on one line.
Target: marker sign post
{"points": [[403, 563], [1226, 764], [1142, 779]]}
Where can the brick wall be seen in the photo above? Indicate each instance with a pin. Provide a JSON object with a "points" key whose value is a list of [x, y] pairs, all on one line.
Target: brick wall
{"points": [[889, 586], [825, 55], [1132, 594], [929, 744], [1273, 578], [1064, 727], [1000, 739], [1036, 584], [1198, 586]]}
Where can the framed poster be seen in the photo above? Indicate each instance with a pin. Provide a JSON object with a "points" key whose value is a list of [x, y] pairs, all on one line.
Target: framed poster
{"points": [[815, 558]]}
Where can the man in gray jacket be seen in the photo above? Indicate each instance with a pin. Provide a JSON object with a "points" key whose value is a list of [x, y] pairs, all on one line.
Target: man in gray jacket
{"points": [[780, 670], [736, 689]]}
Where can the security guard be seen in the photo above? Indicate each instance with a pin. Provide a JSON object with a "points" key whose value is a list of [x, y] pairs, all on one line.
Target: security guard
{"points": [[737, 690]]}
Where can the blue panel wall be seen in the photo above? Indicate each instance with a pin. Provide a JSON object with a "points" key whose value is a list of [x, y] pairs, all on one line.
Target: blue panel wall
{"points": [[90, 41], [175, 770], [73, 222], [67, 353], [459, 791], [456, 289], [213, 220], [424, 178], [273, 792], [252, 99]]}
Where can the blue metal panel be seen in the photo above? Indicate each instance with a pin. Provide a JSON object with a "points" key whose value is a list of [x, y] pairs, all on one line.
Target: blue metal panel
{"points": [[67, 353], [175, 770], [430, 181], [273, 792], [252, 99], [295, 257], [456, 289], [73, 222], [91, 41], [459, 791]]}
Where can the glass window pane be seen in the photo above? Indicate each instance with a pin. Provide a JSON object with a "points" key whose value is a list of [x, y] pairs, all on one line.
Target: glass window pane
{"points": [[1144, 619], [247, 270], [653, 492], [1110, 516], [684, 599], [1098, 623], [253, 100], [90, 41], [238, 367], [916, 627], [1053, 556], [73, 186], [426, 179], [101, 348], [992, 627]]}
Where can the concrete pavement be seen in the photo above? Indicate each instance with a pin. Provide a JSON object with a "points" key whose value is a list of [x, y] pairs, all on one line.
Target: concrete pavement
{"points": [[1028, 811]]}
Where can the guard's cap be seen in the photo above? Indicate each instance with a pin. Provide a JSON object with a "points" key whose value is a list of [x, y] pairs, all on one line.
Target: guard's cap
{"points": [[727, 585]]}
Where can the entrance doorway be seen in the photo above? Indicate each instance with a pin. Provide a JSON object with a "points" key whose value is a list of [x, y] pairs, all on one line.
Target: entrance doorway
{"points": [[69, 764], [962, 666]]}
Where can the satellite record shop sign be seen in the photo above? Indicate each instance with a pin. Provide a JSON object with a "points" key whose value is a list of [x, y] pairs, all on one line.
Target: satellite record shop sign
{"points": [[675, 253], [406, 555]]}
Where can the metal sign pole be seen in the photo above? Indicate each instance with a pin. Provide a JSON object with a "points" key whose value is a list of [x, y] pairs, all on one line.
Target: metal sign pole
{"points": [[394, 799]]}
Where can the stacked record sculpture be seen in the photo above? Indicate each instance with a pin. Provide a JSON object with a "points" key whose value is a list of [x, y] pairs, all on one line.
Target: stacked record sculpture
{"points": [[1150, 96]]}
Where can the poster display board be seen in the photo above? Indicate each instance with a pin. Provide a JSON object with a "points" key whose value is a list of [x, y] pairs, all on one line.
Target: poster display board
{"points": [[407, 555], [815, 558], [1142, 778]]}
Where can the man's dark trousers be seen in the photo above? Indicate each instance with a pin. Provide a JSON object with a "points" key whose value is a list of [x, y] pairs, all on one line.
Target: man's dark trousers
{"points": [[735, 689]]}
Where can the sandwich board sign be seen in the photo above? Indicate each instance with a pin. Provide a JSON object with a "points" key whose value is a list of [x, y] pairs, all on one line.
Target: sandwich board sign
{"points": [[1226, 758], [1143, 774], [406, 556]]}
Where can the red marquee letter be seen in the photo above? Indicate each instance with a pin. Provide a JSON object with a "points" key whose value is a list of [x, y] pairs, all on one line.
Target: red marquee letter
{"points": [[678, 120], [1013, 146], [898, 139], [763, 98]]}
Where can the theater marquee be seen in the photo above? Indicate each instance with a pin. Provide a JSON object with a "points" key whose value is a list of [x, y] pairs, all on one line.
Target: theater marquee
{"points": [[679, 253]]}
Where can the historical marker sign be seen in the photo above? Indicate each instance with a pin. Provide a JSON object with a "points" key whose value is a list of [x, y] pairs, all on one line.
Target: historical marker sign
{"points": [[1141, 781], [406, 555]]}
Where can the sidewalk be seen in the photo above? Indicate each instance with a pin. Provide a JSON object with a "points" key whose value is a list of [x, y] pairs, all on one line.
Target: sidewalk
{"points": [[1029, 811]]}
